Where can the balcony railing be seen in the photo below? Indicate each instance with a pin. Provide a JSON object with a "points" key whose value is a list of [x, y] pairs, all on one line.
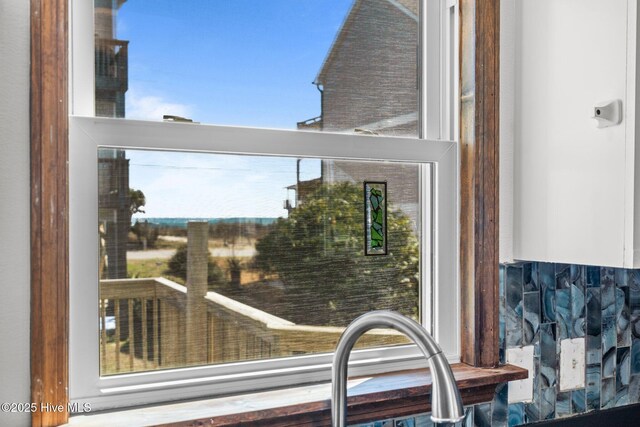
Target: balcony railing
{"points": [[156, 316], [314, 123], [112, 65], [155, 323]]}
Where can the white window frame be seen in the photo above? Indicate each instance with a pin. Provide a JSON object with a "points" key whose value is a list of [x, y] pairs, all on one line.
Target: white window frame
{"points": [[440, 201]]}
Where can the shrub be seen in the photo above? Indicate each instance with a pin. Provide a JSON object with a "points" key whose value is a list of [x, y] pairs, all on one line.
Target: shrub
{"points": [[318, 253], [177, 266]]}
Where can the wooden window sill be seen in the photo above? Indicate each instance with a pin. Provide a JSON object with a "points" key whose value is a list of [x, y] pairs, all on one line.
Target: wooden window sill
{"points": [[370, 398]]}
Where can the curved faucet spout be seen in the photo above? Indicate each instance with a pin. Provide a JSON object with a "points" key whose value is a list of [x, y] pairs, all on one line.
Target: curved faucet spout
{"points": [[446, 405]]}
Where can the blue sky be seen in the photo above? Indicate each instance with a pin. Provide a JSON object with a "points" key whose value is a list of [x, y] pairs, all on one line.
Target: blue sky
{"points": [[233, 62], [228, 62], [203, 185]]}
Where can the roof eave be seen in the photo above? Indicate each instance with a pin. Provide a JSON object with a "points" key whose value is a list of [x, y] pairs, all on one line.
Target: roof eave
{"points": [[336, 42], [319, 80]]}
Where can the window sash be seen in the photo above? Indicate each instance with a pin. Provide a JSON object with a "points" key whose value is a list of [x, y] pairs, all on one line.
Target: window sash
{"points": [[88, 134], [438, 119]]}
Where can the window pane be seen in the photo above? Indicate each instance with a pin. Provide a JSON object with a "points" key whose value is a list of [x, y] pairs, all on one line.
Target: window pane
{"points": [[334, 65], [213, 258]]}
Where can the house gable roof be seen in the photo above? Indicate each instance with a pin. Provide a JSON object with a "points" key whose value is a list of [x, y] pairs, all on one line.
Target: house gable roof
{"points": [[407, 7], [410, 5]]}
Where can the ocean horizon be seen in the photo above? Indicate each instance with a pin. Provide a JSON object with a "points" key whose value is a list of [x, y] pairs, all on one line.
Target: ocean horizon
{"points": [[182, 222]]}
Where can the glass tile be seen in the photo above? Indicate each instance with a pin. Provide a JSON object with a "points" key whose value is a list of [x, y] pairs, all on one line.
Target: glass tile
{"points": [[548, 356], [634, 359], [514, 306], [563, 313], [593, 387], [529, 276], [608, 347], [563, 276], [499, 406], [563, 404], [623, 317], [482, 415], [578, 401], [593, 277], [531, 317], [548, 289], [577, 311], [516, 414], [608, 394], [594, 327], [548, 403]]}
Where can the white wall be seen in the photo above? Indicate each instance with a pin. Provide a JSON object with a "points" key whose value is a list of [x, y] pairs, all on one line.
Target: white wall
{"points": [[507, 125], [14, 208]]}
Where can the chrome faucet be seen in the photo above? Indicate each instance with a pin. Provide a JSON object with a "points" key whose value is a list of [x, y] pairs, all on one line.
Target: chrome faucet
{"points": [[446, 405]]}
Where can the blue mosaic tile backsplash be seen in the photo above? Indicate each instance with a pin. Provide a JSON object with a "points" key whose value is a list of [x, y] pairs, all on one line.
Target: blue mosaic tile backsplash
{"points": [[542, 304]]}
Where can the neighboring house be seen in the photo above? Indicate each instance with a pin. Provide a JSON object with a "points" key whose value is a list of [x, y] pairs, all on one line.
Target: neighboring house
{"points": [[368, 83], [112, 82], [368, 79], [114, 213]]}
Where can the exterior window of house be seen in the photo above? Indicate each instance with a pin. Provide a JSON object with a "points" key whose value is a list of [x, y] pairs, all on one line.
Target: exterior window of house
{"points": [[225, 247]]}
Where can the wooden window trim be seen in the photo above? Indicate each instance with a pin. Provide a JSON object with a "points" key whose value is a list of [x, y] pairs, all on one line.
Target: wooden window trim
{"points": [[390, 395], [49, 219], [49, 195], [479, 180], [405, 393]]}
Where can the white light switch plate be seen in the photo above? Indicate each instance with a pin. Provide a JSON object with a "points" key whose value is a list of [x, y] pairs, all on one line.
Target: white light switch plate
{"points": [[572, 368], [521, 390]]}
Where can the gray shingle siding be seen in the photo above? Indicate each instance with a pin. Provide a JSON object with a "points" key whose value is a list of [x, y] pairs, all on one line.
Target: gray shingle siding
{"points": [[371, 74], [370, 77]]}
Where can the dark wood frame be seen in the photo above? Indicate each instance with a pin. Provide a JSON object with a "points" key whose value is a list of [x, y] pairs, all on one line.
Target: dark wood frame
{"points": [[401, 397], [479, 180], [49, 219], [480, 26]]}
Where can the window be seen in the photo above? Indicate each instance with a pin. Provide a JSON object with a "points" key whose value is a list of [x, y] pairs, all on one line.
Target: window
{"points": [[281, 220]]}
